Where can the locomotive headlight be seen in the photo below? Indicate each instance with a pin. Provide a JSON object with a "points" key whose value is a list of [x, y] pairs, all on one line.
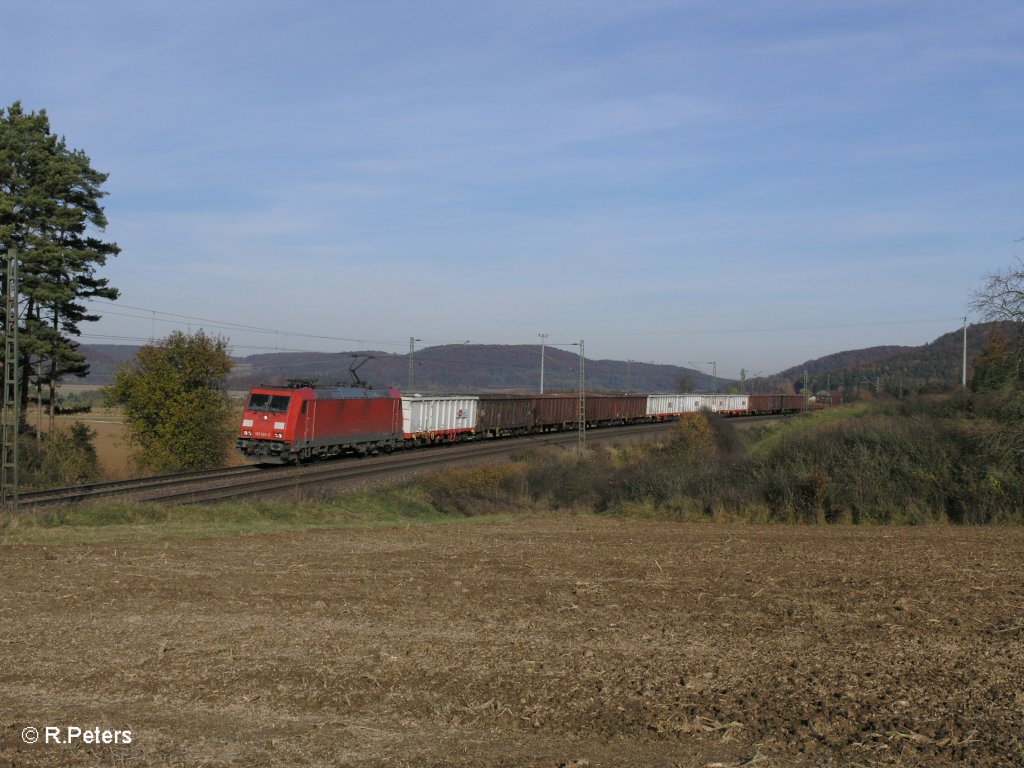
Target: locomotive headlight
{"points": [[246, 433], [279, 435]]}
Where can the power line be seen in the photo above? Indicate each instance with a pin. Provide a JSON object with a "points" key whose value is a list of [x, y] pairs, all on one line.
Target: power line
{"points": [[263, 347], [781, 329], [160, 316], [156, 314]]}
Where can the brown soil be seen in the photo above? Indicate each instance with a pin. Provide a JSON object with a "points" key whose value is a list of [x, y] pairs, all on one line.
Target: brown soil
{"points": [[541, 642]]}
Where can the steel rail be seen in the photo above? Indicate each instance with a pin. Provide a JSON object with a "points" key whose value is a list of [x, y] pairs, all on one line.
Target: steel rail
{"points": [[76, 493]]}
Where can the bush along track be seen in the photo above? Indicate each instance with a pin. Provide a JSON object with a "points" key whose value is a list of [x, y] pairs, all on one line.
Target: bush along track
{"points": [[925, 463]]}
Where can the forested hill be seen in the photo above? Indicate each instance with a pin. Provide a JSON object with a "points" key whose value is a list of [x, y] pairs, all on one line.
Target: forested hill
{"points": [[932, 367], [469, 368]]}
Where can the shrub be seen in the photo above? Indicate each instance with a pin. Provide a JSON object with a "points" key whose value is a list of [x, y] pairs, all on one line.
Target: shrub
{"points": [[477, 490], [176, 409], [65, 457], [914, 462]]}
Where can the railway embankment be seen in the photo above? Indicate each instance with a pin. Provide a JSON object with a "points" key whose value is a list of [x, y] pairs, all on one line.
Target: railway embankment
{"points": [[931, 462]]}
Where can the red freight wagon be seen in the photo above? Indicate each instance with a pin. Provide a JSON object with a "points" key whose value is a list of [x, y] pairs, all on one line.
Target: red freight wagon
{"points": [[563, 411], [761, 403], [552, 412], [498, 415], [792, 403], [615, 409], [280, 424], [764, 403]]}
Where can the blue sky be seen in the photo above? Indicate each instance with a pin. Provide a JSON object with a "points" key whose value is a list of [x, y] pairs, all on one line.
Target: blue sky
{"points": [[755, 183]]}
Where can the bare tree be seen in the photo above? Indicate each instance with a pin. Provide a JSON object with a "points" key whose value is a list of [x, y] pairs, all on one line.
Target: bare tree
{"points": [[685, 382], [1002, 296]]}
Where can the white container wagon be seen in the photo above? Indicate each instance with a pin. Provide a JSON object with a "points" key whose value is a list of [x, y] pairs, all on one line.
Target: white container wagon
{"points": [[735, 405], [438, 418], [670, 406]]}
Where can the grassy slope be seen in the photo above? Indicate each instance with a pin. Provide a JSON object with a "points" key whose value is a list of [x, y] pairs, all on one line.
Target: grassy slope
{"points": [[133, 522]]}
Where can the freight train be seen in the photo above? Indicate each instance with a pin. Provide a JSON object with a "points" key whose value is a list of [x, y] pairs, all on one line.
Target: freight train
{"points": [[282, 425]]}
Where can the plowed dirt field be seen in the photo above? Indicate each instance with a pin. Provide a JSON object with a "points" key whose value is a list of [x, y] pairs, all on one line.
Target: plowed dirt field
{"points": [[546, 641]]}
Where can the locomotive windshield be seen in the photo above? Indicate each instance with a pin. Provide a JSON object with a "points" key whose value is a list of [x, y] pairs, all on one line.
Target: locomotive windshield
{"points": [[275, 403]]}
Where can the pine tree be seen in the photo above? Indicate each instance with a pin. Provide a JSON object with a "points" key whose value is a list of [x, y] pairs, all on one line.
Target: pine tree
{"points": [[50, 212]]}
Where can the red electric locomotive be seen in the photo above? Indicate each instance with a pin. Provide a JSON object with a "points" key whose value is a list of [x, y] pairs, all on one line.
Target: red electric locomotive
{"points": [[282, 424]]}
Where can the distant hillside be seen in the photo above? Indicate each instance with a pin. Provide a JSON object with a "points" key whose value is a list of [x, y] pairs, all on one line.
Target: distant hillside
{"points": [[468, 368], [450, 368], [932, 367], [516, 368], [104, 360], [851, 359]]}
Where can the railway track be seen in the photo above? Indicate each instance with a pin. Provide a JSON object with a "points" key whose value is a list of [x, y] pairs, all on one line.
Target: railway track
{"points": [[79, 493], [241, 482]]}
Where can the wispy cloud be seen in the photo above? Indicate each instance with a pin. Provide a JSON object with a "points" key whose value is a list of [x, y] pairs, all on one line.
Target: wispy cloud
{"points": [[574, 167]]}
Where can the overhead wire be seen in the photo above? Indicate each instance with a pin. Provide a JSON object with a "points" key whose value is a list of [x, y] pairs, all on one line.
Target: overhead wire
{"points": [[160, 315]]}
